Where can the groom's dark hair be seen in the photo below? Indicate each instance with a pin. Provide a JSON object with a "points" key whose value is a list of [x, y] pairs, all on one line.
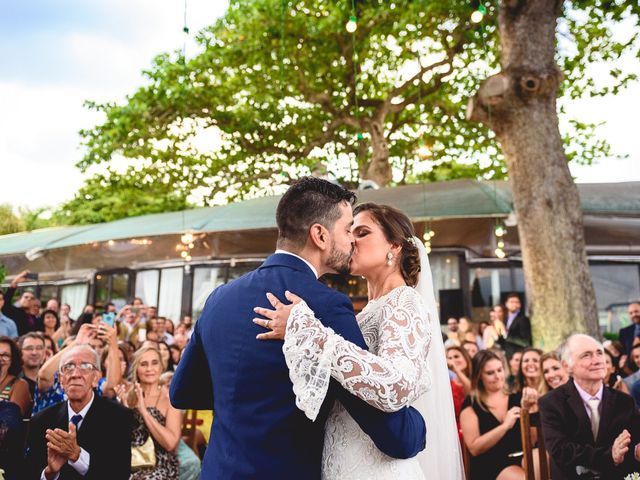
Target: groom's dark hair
{"points": [[309, 200]]}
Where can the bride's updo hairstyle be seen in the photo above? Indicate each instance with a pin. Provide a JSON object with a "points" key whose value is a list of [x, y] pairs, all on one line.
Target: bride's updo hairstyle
{"points": [[398, 230]]}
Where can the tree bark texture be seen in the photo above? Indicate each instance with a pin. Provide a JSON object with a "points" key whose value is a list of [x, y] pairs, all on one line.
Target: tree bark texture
{"points": [[519, 105], [378, 168]]}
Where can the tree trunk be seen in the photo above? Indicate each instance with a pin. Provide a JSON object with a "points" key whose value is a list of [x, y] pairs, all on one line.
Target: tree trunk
{"points": [[378, 169], [519, 105]]}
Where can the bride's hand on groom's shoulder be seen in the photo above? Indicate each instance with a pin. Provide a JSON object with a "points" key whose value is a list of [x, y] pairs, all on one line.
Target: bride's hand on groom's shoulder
{"points": [[276, 320]]}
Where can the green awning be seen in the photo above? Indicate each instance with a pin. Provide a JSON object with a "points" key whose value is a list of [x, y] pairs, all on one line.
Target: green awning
{"points": [[432, 201]]}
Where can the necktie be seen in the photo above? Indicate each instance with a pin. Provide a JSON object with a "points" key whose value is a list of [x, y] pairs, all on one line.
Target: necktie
{"points": [[76, 419], [595, 416]]}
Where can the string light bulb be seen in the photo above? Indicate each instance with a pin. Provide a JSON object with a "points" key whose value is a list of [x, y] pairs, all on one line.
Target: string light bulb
{"points": [[500, 231], [187, 238], [477, 16], [500, 253], [352, 24]]}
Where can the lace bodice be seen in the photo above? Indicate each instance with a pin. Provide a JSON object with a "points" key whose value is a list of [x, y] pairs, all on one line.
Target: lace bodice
{"points": [[389, 376]]}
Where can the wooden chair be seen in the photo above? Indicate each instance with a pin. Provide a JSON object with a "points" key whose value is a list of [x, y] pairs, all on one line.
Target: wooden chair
{"points": [[466, 460], [190, 424], [528, 423]]}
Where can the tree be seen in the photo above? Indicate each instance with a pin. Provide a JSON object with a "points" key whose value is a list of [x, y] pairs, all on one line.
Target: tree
{"points": [[282, 89], [519, 105], [112, 195], [9, 221]]}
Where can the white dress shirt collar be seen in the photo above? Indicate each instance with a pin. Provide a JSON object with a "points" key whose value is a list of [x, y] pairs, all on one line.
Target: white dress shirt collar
{"points": [[313, 269], [82, 412]]}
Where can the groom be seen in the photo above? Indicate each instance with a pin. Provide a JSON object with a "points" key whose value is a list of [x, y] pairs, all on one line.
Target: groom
{"points": [[257, 431]]}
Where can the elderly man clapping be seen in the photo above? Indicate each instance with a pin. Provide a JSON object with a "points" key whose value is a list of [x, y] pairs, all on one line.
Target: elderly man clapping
{"points": [[86, 436], [591, 431]]}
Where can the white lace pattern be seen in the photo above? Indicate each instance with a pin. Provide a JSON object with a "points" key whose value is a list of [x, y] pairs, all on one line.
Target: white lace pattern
{"points": [[390, 376]]}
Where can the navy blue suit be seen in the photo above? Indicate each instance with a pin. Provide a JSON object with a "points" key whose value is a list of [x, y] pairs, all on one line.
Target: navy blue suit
{"points": [[626, 337], [257, 431]]}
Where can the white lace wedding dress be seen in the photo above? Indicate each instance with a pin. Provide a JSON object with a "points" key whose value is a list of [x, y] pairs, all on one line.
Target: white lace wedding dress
{"points": [[391, 375]]}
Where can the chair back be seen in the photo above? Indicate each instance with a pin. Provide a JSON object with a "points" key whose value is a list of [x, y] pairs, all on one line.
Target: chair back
{"points": [[530, 423], [190, 424]]}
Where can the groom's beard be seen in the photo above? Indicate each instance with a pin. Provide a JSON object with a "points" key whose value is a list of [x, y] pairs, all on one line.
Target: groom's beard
{"points": [[339, 261]]}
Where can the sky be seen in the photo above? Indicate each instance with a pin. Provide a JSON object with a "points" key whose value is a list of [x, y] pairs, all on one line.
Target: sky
{"points": [[56, 55]]}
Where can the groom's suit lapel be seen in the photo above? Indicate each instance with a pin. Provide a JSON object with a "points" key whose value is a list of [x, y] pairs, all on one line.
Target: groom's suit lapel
{"points": [[286, 260]]}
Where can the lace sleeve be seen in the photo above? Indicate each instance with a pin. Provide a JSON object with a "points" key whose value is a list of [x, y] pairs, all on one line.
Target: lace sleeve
{"points": [[388, 381]]}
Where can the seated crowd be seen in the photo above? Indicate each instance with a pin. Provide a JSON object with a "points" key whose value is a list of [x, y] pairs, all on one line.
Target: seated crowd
{"points": [[585, 393], [96, 392], [89, 398]]}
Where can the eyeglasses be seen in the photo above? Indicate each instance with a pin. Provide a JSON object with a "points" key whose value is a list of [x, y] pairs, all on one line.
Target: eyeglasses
{"points": [[84, 367], [5, 356], [31, 348]]}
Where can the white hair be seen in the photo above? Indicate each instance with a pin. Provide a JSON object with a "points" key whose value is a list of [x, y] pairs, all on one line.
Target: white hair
{"points": [[68, 352], [566, 350]]}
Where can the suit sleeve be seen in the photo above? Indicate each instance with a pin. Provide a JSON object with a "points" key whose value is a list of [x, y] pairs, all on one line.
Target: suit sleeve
{"points": [[36, 455], [560, 445], [401, 434], [191, 384]]}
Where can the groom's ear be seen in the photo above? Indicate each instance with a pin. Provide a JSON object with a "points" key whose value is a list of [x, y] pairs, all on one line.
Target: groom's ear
{"points": [[319, 236]]}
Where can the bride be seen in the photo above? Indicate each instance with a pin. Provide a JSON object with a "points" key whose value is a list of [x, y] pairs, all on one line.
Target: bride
{"points": [[405, 364]]}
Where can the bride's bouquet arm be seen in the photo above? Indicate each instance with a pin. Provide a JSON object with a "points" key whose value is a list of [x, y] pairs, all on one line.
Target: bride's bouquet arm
{"points": [[388, 381]]}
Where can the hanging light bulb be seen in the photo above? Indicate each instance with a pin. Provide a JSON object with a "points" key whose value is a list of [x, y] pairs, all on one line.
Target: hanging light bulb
{"points": [[352, 24], [500, 231], [187, 258], [501, 244], [500, 253], [477, 16], [184, 254], [186, 238], [431, 233]]}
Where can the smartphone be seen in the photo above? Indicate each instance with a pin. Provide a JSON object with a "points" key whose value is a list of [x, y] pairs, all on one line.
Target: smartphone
{"points": [[32, 276], [109, 318]]}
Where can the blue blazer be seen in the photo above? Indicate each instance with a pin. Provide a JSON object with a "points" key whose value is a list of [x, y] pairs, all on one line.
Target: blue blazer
{"points": [[257, 431], [626, 336]]}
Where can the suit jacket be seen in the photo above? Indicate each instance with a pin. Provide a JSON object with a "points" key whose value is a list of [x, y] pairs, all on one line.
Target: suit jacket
{"points": [[520, 330], [257, 431], [567, 432], [24, 322], [627, 334], [105, 433]]}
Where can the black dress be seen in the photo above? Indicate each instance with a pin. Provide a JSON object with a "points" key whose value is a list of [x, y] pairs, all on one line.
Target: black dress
{"points": [[488, 465]]}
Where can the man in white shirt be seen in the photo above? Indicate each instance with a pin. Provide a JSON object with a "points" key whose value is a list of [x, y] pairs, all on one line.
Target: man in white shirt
{"points": [[86, 437]]}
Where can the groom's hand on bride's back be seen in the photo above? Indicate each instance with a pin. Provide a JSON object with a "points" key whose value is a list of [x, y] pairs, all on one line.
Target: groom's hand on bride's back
{"points": [[276, 320]]}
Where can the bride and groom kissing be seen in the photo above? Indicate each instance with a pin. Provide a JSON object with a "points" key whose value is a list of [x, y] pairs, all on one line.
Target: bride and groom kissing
{"points": [[341, 397]]}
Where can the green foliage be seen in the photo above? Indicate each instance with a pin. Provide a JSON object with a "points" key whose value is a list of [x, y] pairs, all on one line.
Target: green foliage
{"points": [[3, 273], [112, 196], [281, 89], [9, 221]]}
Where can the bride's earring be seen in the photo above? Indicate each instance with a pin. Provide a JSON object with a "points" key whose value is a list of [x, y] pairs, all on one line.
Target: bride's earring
{"points": [[389, 258]]}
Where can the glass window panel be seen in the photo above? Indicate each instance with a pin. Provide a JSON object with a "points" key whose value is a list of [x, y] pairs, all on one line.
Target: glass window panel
{"points": [[48, 292], [170, 303], [615, 287], [487, 285], [76, 297], [119, 289], [445, 269], [205, 280], [102, 291], [147, 283]]}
